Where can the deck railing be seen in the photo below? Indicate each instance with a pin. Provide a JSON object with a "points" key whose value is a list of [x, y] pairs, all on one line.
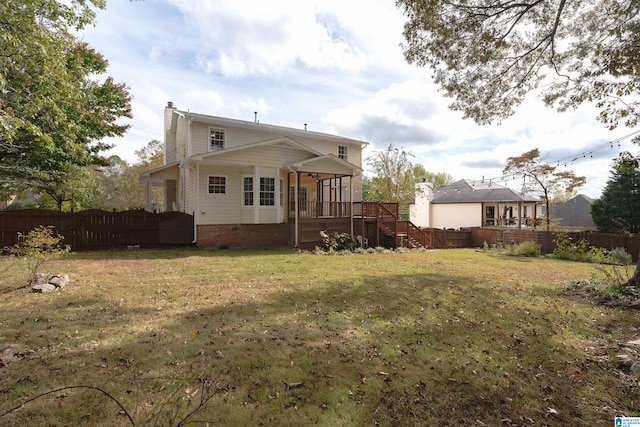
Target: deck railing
{"points": [[310, 210]]}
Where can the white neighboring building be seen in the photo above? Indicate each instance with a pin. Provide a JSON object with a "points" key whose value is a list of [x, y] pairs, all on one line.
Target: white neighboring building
{"points": [[466, 204]]}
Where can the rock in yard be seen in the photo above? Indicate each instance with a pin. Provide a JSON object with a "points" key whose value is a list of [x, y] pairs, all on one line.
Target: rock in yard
{"points": [[59, 281], [45, 288], [635, 369], [624, 361], [40, 278]]}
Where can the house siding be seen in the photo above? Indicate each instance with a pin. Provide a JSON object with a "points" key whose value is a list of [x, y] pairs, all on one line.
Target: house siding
{"points": [[456, 215], [189, 188], [237, 137], [229, 208]]}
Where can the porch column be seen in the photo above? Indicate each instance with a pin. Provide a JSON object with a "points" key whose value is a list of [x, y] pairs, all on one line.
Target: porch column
{"points": [[148, 202], [297, 210], [256, 192], [519, 215], [279, 196], [351, 203]]}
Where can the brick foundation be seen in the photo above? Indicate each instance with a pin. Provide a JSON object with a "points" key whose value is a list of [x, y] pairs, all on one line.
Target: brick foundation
{"points": [[245, 235]]}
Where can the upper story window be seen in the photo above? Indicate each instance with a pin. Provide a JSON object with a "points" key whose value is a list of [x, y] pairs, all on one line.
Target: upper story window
{"points": [[218, 185], [216, 139], [343, 152]]}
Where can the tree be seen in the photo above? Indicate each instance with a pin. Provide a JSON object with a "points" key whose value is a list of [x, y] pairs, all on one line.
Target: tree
{"points": [[434, 179], [392, 175], [618, 208], [118, 184], [53, 111], [393, 178], [70, 189], [487, 55], [540, 178]]}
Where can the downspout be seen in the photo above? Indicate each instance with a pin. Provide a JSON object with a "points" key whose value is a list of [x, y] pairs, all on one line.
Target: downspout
{"points": [[196, 213]]}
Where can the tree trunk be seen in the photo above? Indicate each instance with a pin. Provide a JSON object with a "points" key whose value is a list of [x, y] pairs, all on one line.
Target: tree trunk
{"points": [[635, 280]]}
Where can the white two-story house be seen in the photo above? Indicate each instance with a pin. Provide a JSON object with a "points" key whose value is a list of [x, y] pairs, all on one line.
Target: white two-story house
{"points": [[250, 184]]}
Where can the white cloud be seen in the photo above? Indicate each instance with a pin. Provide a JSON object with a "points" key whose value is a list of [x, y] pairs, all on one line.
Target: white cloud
{"points": [[240, 38], [333, 64]]}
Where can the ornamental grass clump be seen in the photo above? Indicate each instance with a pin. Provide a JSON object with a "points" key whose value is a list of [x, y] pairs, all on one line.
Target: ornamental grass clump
{"points": [[527, 248]]}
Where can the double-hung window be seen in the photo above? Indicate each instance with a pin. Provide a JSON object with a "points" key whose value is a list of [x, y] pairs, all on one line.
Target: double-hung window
{"points": [[216, 139], [217, 185], [343, 152], [247, 190], [267, 191]]}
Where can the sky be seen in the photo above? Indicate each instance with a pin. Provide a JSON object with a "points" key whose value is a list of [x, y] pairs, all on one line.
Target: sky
{"points": [[334, 65]]}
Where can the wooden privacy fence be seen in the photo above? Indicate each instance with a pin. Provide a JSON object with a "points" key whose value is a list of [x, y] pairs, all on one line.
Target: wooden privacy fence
{"points": [[476, 237], [98, 229]]}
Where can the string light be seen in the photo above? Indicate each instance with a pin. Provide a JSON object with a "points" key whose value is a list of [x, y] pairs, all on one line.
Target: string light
{"points": [[564, 161]]}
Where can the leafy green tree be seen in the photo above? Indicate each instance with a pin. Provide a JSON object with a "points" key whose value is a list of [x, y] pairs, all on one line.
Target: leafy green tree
{"points": [[392, 175], [118, 184], [618, 208], [69, 190], [434, 179], [487, 55], [540, 178], [53, 111], [393, 178]]}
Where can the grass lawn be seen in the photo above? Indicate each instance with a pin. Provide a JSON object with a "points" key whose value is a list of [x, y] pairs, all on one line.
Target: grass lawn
{"points": [[276, 337]]}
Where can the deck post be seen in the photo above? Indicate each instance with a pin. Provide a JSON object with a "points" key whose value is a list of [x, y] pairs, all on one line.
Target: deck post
{"points": [[297, 210], [351, 203]]}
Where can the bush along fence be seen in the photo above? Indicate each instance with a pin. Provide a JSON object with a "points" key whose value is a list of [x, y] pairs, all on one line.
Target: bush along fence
{"points": [[546, 239], [98, 229], [476, 238]]}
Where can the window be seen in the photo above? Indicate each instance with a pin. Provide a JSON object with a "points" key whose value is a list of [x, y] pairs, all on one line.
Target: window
{"points": [[247, 189], [281, 192], [267, 191], [216, 139], [343, 152], [218, 185]]}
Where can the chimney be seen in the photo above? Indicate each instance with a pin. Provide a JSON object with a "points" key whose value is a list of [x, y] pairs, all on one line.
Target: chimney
{"points": [[170, 104]]}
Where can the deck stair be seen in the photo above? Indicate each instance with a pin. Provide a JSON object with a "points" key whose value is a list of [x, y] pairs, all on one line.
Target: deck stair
{"points": [[401, 232]]}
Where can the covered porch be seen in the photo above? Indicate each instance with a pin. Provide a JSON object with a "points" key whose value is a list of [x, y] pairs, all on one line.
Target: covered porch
{"points": [[322, 191], [510, 214]]}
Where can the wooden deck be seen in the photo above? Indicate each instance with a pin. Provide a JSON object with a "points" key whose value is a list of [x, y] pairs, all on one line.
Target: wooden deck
{"points": [[376, 222]]}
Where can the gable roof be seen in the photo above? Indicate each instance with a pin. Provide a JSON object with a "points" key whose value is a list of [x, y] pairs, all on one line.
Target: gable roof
{"points": [[328, 163], [282, 130], [281, 141], [468, 191]]}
